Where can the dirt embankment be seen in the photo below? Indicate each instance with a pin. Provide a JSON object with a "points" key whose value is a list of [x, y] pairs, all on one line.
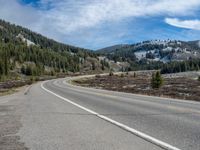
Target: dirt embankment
{"points": [[183, 86], [11, 86]]}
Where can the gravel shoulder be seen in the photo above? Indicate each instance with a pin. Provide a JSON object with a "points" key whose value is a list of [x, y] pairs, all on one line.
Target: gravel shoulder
{"points": [[10, 121]]}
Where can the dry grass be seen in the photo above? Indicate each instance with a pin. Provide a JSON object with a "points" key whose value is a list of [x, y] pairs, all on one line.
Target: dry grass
{"points": [[179, 87]]}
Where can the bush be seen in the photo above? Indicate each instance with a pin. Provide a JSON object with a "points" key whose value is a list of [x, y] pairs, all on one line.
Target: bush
{"points": [[157, 80], [98, 76], [134, 75], [37, 79], [52, 73], [111, 73], [31, 79], [29, 71], [122, 75], [199, 78]]}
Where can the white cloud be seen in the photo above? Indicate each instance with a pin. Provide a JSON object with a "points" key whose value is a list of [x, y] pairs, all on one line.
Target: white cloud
{"points": [[71, 15], [13, 11], [188, 24], [78, 19]]}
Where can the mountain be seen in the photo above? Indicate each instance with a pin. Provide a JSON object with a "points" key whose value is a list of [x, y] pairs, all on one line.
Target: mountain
{"points": [[23, 52], [167, 55], [111, 49], [26, 53], [155, 50]]}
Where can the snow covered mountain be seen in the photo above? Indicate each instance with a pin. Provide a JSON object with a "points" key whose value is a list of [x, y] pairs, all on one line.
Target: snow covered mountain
{"points": [[155, 50]]}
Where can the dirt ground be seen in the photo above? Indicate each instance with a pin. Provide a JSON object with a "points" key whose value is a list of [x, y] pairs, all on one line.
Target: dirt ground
{"points": [[179, 87]]}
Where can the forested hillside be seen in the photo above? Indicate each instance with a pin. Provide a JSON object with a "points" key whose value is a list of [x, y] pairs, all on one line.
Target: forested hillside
{"points": [[168, 55], [25, 52], [154, 50]]}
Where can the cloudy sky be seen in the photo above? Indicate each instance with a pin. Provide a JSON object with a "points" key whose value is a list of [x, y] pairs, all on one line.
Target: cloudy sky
{"points": [[96, 24]]}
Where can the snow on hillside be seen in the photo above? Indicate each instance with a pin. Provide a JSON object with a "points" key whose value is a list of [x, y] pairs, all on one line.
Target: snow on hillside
{"points": [[141, 54], [165, 59], [1, 27], [168, 49], [173, 51], [159, 50], [29, 43], [161, 42]]}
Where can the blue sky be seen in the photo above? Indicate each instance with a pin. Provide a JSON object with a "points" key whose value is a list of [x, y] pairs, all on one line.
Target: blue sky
{"points": [[96, 24]]}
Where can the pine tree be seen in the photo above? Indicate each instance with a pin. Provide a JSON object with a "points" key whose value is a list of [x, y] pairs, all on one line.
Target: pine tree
{"points": [[5, 63], [93, 66], [134, 75], [157, 80], [111, 72], [23, 69], [1, 68], [29, 70]]}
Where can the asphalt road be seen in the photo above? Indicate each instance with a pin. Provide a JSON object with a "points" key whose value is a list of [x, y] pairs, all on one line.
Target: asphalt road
{"points": [[48, 122]]}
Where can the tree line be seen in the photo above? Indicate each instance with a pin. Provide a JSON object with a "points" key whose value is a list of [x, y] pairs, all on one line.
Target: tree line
{"points": [[182, 66]]}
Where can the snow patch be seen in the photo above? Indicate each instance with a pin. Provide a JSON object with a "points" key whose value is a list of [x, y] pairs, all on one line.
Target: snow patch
{"points": [[168, 49], [1, 27], [27, 41], [141, 54]]}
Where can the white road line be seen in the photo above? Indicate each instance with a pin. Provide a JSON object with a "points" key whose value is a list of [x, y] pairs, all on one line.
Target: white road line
{"points": [[123, 126]]}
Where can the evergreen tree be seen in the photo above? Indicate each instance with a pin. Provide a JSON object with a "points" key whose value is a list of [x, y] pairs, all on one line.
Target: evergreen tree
{"points": [[134, 75], [23, 69], [5, 63], [157, 80], [93, 66], [29, 70]]}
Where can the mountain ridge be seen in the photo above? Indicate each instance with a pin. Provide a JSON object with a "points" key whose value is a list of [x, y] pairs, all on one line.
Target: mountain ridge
{"points": [[155, 50]]}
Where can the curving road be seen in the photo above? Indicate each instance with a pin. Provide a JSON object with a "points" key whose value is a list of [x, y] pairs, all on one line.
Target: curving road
{"points": [[56, 115]]}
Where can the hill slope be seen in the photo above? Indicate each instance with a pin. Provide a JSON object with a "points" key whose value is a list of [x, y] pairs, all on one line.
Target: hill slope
{"points": [[25, 52], [167, 55], [111, 49], [155, 50]]}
